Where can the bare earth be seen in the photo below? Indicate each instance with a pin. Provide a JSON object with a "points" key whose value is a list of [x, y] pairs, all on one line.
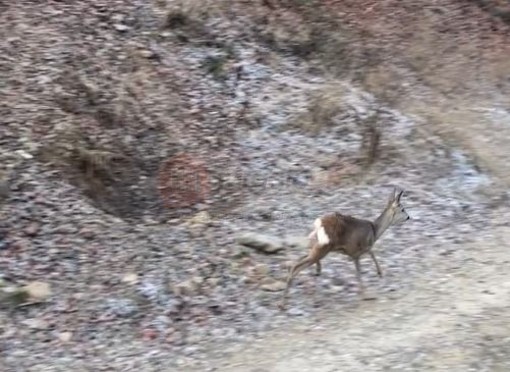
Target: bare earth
{"points": [[269, 100], [455, 318]]}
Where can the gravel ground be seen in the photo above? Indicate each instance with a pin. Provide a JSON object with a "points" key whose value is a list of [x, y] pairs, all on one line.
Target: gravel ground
{"points": [[137, 285]]}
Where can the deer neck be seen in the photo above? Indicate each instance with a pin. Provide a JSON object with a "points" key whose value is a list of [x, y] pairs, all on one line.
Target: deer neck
{"points": [[382, 223]]}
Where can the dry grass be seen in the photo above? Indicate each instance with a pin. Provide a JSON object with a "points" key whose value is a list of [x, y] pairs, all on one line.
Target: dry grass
{"points": [[107, 174], [455, 73], [343, 174], [107, 141], [324, 105], [106, 170], [371, 139], [305, 28], [4, 187], [497, 9], [215, 65], [384, 84], [71, 151], [322, 37], [287, 32], [326, 108], [77, 94], [188, 18], [192, 9]]}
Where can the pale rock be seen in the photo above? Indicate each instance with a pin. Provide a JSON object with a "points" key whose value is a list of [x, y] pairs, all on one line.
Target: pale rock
{"points": [[65, 337], [24, 154], [145, 53], [261, 269], [120, 27], [262, 243], [273, 286], [130, 278], [35, 323], [32, 229], [38, 291], [201, 218], [188, 287]]}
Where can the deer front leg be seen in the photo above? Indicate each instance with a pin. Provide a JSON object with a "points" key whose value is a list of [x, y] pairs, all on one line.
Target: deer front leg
{"points": [[318, 269], [358, 275], [363, 294], [379, 271]]}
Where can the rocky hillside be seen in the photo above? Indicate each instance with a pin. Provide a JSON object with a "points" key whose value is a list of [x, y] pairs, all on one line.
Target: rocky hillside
{"points": [[161, 163]]}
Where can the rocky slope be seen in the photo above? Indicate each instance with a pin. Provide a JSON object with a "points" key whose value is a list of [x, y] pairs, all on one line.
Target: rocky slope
{"points": [[105, 104]]}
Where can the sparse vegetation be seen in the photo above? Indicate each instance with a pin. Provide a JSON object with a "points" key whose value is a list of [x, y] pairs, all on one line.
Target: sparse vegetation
{"points": [[256, 109], [188, 18], [215, 65], [109, 176], [70, 150], [325, 105], [176, 19], [498, 9], [4, 187], [326, 109], [371, 138]]}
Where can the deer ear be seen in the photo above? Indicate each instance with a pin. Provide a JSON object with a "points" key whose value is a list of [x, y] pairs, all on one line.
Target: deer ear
{"points": [[398, 195], [393, 195]]}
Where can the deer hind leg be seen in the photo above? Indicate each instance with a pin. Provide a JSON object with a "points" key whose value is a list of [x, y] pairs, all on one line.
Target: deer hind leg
{"points": [[316, 253], [300, 265], [318, 268], [379, 271], [313, 237], [318, 265]]}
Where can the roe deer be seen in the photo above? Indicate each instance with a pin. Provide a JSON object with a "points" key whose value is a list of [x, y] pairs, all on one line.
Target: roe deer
{"points": [[349, 236]]}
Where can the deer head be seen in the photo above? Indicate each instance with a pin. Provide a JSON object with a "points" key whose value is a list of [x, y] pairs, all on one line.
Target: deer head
{"points": [[393, 214], [395, 209]]}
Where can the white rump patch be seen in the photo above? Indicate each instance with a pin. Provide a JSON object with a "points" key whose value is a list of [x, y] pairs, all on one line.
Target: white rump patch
{"points": [[319, 232], [316, 226], [322, 237], [317, 223]]}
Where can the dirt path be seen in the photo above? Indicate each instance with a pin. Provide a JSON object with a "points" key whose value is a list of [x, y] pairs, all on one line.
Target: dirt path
{"points": [[452, 316], [138, 287], [453, 319]]}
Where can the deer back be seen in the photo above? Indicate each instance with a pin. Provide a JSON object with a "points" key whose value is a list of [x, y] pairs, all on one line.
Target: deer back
{"points": [[352, 236]]}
